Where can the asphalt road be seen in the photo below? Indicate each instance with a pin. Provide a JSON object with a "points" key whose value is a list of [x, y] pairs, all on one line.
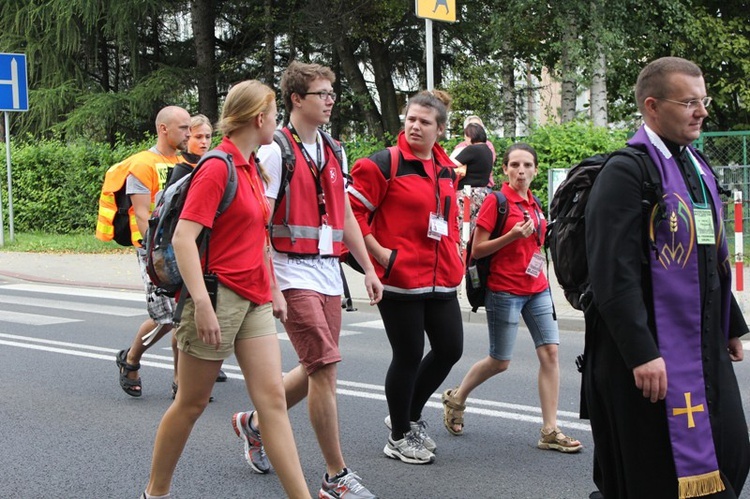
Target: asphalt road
{"points": [[69, 431]]}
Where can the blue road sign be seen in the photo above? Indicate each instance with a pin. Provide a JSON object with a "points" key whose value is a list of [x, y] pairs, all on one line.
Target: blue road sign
{"points": [[14, 89]]}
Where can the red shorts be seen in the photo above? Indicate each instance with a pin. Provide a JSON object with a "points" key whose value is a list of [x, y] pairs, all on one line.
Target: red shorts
{"points": [[313, 325]]}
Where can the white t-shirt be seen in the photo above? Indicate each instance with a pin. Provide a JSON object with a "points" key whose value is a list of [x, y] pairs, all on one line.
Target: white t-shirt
{"points": [[315, 273]]}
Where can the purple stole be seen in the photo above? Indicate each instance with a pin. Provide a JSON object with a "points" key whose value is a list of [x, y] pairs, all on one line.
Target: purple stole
{"points": [[678, 311]]}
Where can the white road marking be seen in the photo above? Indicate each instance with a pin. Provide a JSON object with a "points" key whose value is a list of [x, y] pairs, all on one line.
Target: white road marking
{"points": [[91, 308], [33, 319], [515, 412], [135, 296], [377, 324]]}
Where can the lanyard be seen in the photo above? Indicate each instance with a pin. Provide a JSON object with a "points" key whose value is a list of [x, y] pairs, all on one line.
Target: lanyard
{"points": [[699, 172], [313, 168]]}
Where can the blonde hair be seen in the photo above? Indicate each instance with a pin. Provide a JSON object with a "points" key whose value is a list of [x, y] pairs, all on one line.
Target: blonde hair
{"points": [[200, 119], [245, 101]]}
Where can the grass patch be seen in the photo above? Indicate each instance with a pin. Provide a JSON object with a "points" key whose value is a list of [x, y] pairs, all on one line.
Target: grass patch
{"points": [[60, 243]]}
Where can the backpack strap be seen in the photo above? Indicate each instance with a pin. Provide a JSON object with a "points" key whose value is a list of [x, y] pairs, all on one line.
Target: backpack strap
{"points": [[502, 214], [231, 188], [288, 161], [202, 240], [395, 156]]}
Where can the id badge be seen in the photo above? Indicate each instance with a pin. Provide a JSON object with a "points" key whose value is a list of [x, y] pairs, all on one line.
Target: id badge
{"points": [[325, 240], [704, 226], [437, 228], [535, 265]]}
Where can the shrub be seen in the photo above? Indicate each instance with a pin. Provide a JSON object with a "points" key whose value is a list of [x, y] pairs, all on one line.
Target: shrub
{"points": [[56, 184]]}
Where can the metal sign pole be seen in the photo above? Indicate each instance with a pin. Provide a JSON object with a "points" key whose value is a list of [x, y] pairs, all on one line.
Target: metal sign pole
{"points": [[10, 178], [428, 39], [7, 159]]}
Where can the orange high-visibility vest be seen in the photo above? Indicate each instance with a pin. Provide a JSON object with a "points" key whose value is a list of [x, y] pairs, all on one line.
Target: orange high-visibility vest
{"points": [[116, 219]]}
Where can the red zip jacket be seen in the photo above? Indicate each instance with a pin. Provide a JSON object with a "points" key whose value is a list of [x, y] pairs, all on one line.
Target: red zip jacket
{"points": [[396, 209]]}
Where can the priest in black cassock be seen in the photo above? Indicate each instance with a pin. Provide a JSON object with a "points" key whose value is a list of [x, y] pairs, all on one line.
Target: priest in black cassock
{"points": [[663, 328]]}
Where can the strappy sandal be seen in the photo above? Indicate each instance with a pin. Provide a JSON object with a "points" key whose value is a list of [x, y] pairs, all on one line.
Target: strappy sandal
{"points": [[130, 386], [556, 440], [453, 413]]}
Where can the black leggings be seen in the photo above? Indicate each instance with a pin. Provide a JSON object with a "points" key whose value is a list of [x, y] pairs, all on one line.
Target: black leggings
{"points": [[411, 379]]}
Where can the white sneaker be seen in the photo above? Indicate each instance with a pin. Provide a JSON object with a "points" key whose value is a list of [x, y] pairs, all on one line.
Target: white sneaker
{"points": [[420, 428], [409, 450]]}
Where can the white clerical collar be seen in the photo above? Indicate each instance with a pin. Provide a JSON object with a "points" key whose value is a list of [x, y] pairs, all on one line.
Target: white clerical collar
{"points": [[657, 142]]}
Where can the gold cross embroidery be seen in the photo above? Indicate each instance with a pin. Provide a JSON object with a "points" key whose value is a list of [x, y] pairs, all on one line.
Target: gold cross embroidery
{"points": [[688, 409]]}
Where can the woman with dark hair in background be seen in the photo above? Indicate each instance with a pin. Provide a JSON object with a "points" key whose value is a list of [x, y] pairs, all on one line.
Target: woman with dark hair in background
{"points": [[474, 167]]}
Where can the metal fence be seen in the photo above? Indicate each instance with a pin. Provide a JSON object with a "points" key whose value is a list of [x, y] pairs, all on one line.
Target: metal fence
{"points": [[728, 154]]}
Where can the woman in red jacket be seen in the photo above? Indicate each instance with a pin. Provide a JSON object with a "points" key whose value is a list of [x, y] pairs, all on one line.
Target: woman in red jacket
{"points": [[404, 199]]}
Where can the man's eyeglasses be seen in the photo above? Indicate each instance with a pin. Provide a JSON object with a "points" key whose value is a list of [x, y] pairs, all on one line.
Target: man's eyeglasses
{"points": [[691, 104], [323, 95]]}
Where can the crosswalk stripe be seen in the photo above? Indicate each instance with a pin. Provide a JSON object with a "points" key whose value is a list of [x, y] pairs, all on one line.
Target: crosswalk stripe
{"points": [[33, 319], [345, 388], [77, 291], [73, 306], [376, 324]]}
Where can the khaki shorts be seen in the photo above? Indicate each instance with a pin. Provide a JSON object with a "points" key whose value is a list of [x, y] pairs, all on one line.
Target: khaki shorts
{"points": [[313, 325], [239, 319]]}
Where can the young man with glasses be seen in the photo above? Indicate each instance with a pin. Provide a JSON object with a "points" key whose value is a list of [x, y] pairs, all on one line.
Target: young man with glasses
{"points": [[663, 329], [308, 233]]}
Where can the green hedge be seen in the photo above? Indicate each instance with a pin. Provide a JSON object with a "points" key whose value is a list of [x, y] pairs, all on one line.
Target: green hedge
{"points": [[56, 184]]}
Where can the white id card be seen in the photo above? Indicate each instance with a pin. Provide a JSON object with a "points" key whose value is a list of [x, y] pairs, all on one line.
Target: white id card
{"points": [[437, 228], [535, 265], [325, 240], [704, 226]]}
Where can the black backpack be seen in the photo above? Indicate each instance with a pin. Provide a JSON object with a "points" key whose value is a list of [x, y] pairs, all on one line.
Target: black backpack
{"points": [[478, 269], [566, 232], [161, 263]]}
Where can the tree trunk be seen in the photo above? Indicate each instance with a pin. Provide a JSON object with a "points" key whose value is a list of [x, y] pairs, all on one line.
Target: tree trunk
{"points": [[381, 66], [270, 42], [598, 101], [359, 87], [568, 91], [509, 95], [203, 16], [599, 89]]}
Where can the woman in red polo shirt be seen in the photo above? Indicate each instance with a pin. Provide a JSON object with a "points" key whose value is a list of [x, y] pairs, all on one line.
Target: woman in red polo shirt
{"points": [[516, 287], [240, 322]]}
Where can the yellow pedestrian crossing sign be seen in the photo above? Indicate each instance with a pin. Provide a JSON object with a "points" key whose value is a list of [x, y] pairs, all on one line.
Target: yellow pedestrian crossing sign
{"points": [[437, 10]]}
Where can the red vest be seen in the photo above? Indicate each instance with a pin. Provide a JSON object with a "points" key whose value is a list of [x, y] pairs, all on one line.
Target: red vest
{"points": [[296, 222]]}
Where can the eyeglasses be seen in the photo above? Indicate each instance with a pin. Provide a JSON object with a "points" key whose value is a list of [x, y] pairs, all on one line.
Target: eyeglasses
{"points": [[323, 95], [691, 104]]}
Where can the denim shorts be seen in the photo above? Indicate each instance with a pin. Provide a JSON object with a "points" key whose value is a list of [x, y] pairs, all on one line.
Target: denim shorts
{"points": [[503, 313]]}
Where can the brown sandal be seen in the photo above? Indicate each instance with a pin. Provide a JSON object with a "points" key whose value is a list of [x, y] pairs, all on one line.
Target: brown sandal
{"points": [[453, 413], [556, 440]]}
